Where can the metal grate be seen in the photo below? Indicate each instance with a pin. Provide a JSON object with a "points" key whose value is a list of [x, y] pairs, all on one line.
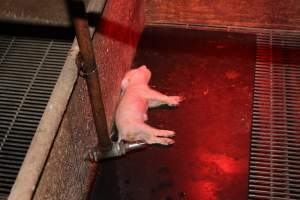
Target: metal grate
{"points": [[29, 69], [275, 143]]}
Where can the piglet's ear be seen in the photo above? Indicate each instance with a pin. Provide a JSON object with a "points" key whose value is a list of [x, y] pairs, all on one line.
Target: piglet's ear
{"points": [[124, 83], [143, 67]]}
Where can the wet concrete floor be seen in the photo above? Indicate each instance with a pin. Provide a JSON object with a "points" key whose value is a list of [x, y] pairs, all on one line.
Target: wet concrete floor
{"points": [[214, 71]]}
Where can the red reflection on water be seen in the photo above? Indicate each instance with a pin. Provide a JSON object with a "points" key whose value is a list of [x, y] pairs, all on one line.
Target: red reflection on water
{"points": [[207, 190], [217, 172], [225, 163]]}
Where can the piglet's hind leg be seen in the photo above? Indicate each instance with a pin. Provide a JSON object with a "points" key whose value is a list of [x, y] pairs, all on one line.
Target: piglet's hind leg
{"points": [[155, 136]]}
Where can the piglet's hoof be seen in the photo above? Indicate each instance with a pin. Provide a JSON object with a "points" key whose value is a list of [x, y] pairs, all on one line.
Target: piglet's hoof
{"points": [[175, 100]]}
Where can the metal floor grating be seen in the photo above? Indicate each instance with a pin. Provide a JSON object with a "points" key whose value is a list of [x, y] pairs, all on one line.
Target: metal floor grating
{"points": [[275, 144], [29, 69]]}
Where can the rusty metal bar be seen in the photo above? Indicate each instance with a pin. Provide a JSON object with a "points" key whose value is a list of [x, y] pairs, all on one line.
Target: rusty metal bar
{"points": [[90, 72]]}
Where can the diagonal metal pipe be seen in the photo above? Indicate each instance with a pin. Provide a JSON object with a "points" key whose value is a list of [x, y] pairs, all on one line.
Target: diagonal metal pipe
{"points": [[88, 67]]}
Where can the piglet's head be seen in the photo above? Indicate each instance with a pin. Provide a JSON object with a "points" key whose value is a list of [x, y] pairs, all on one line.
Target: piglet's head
{"points": [[139, 76]]}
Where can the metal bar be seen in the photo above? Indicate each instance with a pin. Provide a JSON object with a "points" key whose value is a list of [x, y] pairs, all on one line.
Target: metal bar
{"points": [[90, 71]]}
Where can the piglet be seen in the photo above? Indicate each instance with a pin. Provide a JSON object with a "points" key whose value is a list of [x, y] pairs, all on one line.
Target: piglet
{"points": [[131, 112]]}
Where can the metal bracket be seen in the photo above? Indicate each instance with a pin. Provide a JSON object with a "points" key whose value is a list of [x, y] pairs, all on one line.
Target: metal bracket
{"points": [[80, 65], [118, 149]]}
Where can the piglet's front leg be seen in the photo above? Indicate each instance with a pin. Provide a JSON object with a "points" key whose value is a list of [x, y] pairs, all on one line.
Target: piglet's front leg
{"points": [[156, 99]]}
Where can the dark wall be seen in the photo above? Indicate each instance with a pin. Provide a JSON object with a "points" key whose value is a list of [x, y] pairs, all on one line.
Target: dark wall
{"points": [[246, 13]]}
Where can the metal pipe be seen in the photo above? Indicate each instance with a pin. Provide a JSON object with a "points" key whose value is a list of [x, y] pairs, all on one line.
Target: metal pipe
{"points": [[88, 68], [90, 72], [118, 149]]}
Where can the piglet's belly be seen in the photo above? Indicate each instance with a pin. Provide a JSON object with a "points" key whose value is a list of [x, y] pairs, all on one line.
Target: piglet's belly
{"points": [[125, 119], [131, 109], [128, 117], [128, 128]]}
